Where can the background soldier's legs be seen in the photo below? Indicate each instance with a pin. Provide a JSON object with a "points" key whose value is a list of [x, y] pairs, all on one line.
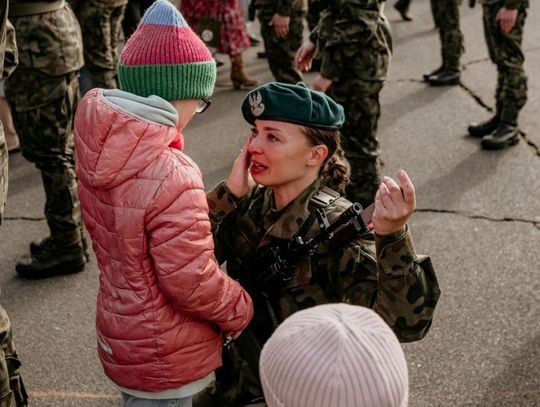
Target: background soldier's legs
{"points": [[280, 52], [101, 28], [360, 100]]}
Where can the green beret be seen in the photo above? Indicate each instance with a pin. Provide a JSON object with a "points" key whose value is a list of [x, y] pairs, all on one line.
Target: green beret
{"points": [[293, 104]]}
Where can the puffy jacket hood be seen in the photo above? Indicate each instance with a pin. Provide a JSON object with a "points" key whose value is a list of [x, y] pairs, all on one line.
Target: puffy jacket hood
{"points": [[122, 133]]}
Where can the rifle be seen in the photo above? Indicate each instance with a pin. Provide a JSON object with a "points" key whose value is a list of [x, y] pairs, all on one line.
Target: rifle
{"points": [[280, 259]]}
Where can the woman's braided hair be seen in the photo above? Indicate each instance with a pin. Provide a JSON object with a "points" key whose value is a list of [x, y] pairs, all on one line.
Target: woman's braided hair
{"points": [[335, 170]]}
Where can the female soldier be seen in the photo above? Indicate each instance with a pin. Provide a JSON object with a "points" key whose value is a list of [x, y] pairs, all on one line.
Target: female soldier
{"points": [[295, 157]]}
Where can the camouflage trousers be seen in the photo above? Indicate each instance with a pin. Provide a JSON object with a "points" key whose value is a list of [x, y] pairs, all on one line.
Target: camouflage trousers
{"points": [[12, 392], [43, 107], [505, 52], [3, 172], [446, 17], [360, 99], [101, 27], [280, 52]]}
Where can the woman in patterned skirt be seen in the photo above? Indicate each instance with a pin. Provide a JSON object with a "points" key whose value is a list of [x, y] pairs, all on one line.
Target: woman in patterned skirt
{"points": [[234, 37]]}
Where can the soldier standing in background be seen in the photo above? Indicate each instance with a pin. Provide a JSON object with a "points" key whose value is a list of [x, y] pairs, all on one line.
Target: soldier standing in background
{"points": [[101, 25], [354, 44], [12, 392], [503, 27], [282, 25], [43, 93], [446, 18]]}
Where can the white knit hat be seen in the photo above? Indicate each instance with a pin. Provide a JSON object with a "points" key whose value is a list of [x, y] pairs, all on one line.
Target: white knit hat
{"points": [[334, 355]]}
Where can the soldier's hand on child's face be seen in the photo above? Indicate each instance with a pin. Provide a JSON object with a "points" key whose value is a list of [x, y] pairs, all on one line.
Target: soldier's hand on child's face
{"points": [[238, 181], [393, 204]]}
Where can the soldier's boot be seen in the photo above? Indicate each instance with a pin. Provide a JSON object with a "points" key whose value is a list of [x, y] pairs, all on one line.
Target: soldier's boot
{"points": [[506, 135], [37, 247], [428, 75], [482, 129], [52, 260], [239, 78], [403, 11], [445, 77]]}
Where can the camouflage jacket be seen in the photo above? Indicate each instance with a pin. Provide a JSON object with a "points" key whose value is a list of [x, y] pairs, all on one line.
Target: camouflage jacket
{"points": [[510, 4], [49, 42], [282, 7], [8, 63], [385, 273], [353, 35]]}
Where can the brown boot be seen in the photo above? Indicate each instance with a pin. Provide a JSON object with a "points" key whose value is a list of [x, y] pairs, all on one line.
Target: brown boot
{"points": [[239, 77]]}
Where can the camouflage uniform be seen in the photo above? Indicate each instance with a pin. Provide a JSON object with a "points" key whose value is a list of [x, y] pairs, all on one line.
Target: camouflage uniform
{"points": [[446, 18], [384, 274], [354, 44], [505, 52], [43, 94], [101, 25], [12, 391], [280, 52]]}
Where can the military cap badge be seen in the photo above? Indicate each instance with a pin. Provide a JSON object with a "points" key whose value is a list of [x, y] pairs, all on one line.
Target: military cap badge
{"points": [[255, 102]]}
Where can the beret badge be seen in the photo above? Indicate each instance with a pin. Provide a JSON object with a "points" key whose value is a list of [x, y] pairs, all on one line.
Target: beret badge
{"points": [[255, 102]]}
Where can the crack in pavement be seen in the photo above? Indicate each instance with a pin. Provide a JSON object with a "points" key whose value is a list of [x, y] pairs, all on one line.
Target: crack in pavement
{"points": [[30, 218], [535, 223], [487, 59]]}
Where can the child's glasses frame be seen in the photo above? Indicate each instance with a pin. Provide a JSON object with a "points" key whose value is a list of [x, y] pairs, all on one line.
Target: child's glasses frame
{"points": [[202, 105]]}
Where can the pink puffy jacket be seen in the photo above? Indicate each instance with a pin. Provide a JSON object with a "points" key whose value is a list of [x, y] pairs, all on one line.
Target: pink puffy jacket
{"points": [[163, 302]]}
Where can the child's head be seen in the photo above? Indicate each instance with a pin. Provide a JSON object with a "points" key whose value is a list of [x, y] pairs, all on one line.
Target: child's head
{"points": [[165, 57], [337, 355]]}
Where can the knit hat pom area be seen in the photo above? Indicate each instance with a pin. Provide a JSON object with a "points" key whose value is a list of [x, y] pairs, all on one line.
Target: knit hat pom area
{"points": [[334, 355], [165, 57]]}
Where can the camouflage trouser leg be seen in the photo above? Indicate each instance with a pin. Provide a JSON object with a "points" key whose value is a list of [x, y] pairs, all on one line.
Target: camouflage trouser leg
{"points": [[280, 52], [101, 27], [45, 125], [451, 37], [505, 51], [3, 171], [235, 385], [360, 100], [12, 392]]}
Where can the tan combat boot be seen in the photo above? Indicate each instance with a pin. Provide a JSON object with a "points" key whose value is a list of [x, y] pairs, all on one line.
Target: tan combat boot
{"points": [[239, 77]]}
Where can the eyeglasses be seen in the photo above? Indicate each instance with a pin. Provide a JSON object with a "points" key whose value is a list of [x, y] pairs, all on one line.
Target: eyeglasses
{"points": [[202, 105]]}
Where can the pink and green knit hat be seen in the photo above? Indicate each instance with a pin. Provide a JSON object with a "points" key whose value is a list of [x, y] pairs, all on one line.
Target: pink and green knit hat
{"points": [[164, 57]]}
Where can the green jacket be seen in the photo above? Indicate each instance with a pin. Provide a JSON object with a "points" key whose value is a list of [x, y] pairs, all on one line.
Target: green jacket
{"points": [[353, 35], [385, 274]]}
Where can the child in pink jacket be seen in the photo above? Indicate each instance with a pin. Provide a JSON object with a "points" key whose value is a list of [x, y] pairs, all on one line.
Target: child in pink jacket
{"points": [[163, 306]]}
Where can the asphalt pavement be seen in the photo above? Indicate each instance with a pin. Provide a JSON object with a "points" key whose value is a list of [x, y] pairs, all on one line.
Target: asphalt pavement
{"points": [[478, 217]]}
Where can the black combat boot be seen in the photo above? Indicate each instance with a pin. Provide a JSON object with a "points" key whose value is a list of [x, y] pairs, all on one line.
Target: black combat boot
{"points": [[506, 135], [36, 247], [52, 260], [446, 77], [428, 75], [482, 129]]}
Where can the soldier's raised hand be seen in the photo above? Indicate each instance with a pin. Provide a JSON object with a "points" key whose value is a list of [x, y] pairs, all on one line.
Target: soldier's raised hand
{"points": [[239, 180], [393, 204], [507, 18]]}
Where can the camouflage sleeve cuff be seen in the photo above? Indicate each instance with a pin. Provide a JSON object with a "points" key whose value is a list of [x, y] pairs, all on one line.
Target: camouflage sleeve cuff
{"points": [[221, 201], [513, 4], [395, 253]]}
